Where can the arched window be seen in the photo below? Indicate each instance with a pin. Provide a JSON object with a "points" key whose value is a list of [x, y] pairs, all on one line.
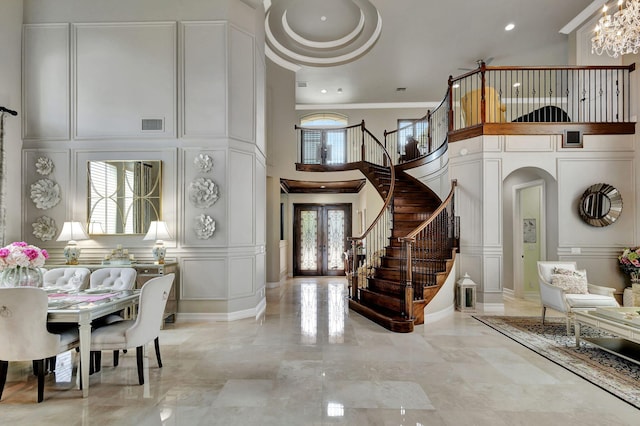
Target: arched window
{"points": [[327, 119], [328, 144]]}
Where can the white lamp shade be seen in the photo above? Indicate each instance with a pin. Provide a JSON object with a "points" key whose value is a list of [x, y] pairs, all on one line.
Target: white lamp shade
{"points": [[157, 231], [72, 231]]}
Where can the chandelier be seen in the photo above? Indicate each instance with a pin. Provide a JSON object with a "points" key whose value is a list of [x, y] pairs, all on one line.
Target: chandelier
{"points": [[618, 33]]}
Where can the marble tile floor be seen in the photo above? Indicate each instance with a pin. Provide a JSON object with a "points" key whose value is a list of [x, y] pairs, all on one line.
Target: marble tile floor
{"points": [[309, 361]]}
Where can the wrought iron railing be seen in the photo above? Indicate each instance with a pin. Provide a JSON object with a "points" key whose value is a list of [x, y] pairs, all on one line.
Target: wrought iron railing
{"points": [[428, 132], [593, 94], [336, 146], [426, 249]]}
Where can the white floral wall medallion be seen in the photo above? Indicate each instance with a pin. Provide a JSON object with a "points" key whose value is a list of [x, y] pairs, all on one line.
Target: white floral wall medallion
{"points": [[44, 166], [203, 192], [203, 162], [44, 228], [205, 226], [45, 194]]}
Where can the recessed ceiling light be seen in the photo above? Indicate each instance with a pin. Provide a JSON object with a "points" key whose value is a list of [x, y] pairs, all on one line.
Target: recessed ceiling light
{"points": [[401, 89], [509, 27], [323, 18], [517, 84], [339, 89], [456, 85], [323, 91]]}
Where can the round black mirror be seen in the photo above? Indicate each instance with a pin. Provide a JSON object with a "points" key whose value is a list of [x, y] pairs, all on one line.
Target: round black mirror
{"points": [[600, 205]]}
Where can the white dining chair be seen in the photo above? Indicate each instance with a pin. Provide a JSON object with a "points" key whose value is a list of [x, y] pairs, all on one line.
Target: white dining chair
{"points": [[67, 279], [113, 278], [136, 333], [24, 335]]}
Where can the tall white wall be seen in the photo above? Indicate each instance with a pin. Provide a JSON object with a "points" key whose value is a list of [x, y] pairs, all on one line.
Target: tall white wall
{"points": [[481, 166], [93, 70], [10, 97]]}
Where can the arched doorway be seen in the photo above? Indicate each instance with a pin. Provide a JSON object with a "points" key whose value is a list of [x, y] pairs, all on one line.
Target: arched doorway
{"points": [[530, 228]]}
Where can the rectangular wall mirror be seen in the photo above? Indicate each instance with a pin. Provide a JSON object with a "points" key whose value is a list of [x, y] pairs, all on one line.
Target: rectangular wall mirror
{"points": [[123, 196]]}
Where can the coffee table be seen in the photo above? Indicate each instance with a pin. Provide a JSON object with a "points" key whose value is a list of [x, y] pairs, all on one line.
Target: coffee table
{"points": [[623, 322]]}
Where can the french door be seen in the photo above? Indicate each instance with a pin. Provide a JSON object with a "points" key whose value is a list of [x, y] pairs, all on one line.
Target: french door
{"points": [[320, 234]]}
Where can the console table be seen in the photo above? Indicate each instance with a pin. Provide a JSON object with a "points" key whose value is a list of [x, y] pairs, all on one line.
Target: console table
{"points": [[145, 271]]}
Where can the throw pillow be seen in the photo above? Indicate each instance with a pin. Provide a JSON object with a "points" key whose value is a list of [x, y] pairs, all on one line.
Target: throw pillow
{"points": [[564, 271], [572, 284]]}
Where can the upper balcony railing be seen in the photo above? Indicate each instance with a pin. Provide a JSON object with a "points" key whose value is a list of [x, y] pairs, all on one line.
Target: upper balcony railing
{"points": [[497, 95], [421, 137]]}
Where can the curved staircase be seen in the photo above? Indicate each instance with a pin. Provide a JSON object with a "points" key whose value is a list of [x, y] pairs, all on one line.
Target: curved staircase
{"points": [[383, 299]]}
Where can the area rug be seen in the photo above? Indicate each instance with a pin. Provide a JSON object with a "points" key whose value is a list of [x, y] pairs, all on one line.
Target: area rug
{"points": [[607, 371]]}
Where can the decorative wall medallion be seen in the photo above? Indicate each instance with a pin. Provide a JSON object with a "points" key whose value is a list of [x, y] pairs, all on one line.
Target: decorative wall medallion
{"points": [[45, 194], [44, 166], [203, 192], [203, 162], [205, 226], [44, 228]]}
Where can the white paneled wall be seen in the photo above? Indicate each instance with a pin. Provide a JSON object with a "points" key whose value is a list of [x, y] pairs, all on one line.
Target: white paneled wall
{"points": [[241, 206], [45, 77], [204, 59], [481, 164], [124, 73], [218, 211], [89, 83], [242, 85]]}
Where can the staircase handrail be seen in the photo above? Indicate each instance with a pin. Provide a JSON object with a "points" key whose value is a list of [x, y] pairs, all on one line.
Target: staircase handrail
{"points": [[355, 240], [411, 236], [389, 198]]}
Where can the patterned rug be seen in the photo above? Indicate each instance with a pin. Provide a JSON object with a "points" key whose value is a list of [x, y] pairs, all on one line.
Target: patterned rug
{"points": [[607, 371]]}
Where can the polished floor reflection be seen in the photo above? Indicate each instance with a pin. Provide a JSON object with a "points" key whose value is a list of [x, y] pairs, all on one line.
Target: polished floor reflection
{"points": [[309, 361]]}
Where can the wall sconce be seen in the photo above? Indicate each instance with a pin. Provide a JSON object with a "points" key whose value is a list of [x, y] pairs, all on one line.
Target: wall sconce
{"points": [[72, 232], [158, 231]]}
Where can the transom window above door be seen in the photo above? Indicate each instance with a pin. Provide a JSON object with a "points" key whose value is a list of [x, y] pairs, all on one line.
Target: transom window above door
{"points": [[328, 143]]}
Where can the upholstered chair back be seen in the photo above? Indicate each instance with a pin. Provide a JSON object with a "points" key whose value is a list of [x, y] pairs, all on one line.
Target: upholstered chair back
{"points": [[494, 108], [67, 278], [23, 325], [545, 268], [113, 278], [153, 299]]}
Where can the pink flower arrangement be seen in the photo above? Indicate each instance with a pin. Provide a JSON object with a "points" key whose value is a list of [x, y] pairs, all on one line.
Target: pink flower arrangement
{"points": [[630, 260], [21, 254]]}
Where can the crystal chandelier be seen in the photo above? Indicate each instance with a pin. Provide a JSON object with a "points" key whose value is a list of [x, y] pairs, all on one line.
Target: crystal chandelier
{"points": [[618, 33]]}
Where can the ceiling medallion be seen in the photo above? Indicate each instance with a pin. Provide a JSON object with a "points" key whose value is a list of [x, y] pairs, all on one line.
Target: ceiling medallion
{"points": [[297, 35]]}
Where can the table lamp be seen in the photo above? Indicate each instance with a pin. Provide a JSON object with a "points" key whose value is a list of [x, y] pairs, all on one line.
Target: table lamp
{"points": [[158, 231], [72, 232]]}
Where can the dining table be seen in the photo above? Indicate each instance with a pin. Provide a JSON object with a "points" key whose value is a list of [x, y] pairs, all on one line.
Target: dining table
{"points": [[82, 308]]}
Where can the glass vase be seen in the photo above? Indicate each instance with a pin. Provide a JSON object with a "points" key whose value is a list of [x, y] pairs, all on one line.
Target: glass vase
{"points": [[21, 276]]}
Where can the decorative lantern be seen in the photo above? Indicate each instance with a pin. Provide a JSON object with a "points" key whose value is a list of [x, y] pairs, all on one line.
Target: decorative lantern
{"points": [[466, 294]]}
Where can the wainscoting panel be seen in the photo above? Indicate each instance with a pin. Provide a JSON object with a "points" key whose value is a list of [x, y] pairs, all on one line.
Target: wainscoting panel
{"points": [[203, 279], [242, 97], [241, 276], [45, 76], [125, 73], [242, 199], [51, 218], [261, 200], [204, 82], [618, 172], [193, 216]]}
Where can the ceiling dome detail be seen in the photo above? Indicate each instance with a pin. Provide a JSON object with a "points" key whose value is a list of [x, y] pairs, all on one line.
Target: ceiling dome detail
{"points": [[309, 32]]}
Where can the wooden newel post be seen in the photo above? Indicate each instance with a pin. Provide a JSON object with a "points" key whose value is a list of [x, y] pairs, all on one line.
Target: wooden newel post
{"points": [[450, 112], [408, 289], [483, 107], [363, 150], [354, 271]]}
